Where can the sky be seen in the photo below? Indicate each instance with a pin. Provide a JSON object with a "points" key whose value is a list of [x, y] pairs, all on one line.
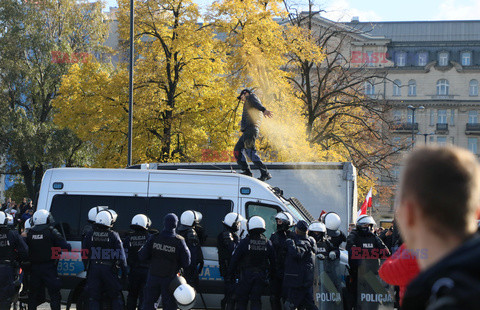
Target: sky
{"points": [[381, 10]]}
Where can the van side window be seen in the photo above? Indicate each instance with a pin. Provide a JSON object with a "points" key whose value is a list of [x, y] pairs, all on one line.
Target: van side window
{"points": [[66, 213], [213, 211], [267, 212]]}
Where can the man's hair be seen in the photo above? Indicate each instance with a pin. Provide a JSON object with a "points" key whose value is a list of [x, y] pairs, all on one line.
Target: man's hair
{"points": [[445, 183]]}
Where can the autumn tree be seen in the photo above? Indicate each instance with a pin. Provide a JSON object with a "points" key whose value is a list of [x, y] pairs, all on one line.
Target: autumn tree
{"points": [[31, 32]]}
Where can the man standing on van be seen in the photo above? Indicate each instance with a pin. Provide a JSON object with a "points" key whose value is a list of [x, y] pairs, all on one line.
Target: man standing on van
{"points": [[251, 119]]}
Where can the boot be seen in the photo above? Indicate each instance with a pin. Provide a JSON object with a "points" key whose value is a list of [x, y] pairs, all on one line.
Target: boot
{"points": [[247, 172], [265, 176]]}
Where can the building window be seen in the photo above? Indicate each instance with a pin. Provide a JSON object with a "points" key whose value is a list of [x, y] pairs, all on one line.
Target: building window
{"points": [[412, 88], [473, 89], [422, 58], [442, 87], [472, 145], [369, 60], [452, 117], [466, 58], [401, 59], [442, 117], [472, 117], [396, 88], [397, 116], [369, 88], [432, 117], [443, 58], [442, 141]]}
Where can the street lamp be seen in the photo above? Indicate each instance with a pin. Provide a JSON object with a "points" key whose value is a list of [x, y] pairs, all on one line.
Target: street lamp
{"points": [[411, 107], [425, 135]]}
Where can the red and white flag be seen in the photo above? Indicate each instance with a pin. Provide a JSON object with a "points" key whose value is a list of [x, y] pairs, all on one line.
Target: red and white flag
{"points": [[366, 204]]}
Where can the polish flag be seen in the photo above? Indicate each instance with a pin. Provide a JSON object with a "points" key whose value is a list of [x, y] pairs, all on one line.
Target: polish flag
{"points": [[366, 204], [321, 213]]}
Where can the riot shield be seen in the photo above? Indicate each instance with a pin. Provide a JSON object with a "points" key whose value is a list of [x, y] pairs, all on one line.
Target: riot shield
{"points": [[372, 292], [329, 284]]}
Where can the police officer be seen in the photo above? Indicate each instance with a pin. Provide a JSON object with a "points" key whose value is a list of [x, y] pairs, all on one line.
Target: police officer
{"points": [[92, 214], [325, 249], [299, 269], [41, 239], [334, 234], [186, 229], [167, 253], [137, 276], [362, 244], [12, 249], [105, 255], [254, 256], [279, 242], [227, 241]]}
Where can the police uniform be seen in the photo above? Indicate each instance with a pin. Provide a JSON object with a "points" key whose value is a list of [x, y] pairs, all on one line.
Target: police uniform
{"points": [[192, 240], [336, 238], [299, 270], [227, 241], [12, 249], [40, 240], [138, 270], [254, 256], [279, 242], [167, 253], [105, 256]]}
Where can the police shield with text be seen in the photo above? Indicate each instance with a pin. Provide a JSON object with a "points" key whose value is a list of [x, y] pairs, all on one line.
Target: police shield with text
{"points": [[13, 249], [365, 250], [167, 253], [106, 257], [137, 276], [299, 269], [186, 229], [227, 241], [254, 256], [279, 241], [42, 238]]}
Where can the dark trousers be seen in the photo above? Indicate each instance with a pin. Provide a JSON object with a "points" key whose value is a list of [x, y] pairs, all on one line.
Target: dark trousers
{"points": [[250, 287], [102, 278], [136, 285], [228, 301], [277, 293], [44, 275], [7, 287], [300, 297], [247, 143], [155, 287]]}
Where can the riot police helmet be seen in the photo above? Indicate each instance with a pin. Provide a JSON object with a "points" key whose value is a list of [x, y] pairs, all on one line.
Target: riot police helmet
{"points": [[233, 220], [92, 213], [284, 220], [106, 217], [332, 221], [141, 221], [365, 223], [28, 224], [317, 227], [3, 219], [190, 218], [41, 217], [183, 293], [256, 223]]}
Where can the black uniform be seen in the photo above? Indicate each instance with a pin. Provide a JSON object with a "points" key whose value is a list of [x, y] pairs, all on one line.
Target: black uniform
{"points": [[336, 237], [279, 242], [254, 256], [105, 258], [12, 250], [40, 240], [137, 276], [192, 272], [227, 241]]}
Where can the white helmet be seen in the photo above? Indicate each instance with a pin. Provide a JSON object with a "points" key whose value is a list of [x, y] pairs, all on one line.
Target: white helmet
{"points": [[106, 217], [232, 219], [317, 226], [256, 222], [141, 220], [332, 221], [365, 219], [285, 217], [28, 224], [190, 217], [10, 219], [92, 213], [3, 218], [42, 217], [183, 293]]}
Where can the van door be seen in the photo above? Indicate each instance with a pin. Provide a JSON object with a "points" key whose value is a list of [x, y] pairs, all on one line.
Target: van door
{"points": [[266, 211]]}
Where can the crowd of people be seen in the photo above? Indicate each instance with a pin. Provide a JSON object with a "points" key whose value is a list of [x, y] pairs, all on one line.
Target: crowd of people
{"points": [[18, 213]]}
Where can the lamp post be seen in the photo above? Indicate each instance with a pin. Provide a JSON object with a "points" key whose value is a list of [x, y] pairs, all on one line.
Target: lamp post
{"points": [[413, 109], [130, 88], [425, 135]]}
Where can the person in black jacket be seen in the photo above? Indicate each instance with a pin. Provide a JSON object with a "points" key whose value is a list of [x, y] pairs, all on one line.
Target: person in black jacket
{"points": [[251, 119], [299, 269], [438, 205], [137, 276], [255, 257], [227, 241], [13, 250], [279, 242], [41, 240], [167, 253]]}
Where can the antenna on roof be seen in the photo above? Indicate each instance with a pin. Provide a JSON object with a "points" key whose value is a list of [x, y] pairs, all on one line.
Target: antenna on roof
{"points": [[355, 19]]}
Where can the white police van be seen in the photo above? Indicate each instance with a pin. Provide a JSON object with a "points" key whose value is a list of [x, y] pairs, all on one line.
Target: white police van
{"points": [[68, 193]]}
